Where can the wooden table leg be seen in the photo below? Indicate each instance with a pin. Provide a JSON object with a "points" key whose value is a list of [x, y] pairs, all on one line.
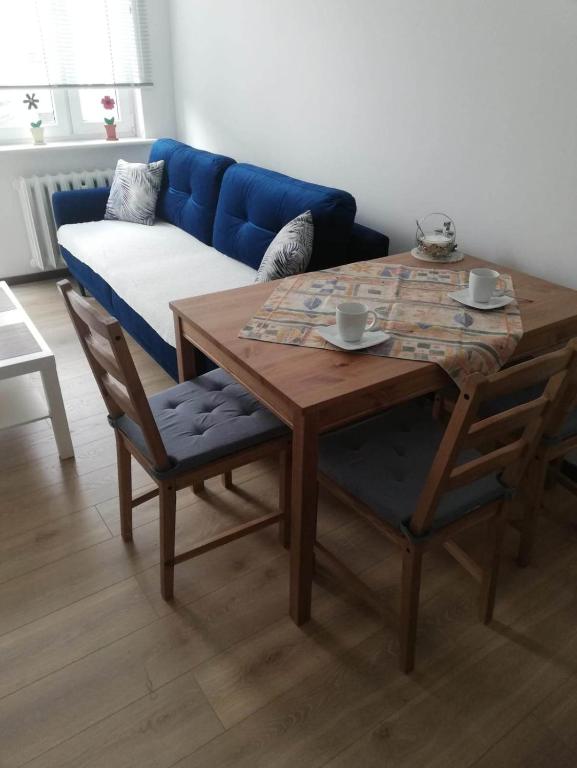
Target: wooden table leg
{"points": [[185, 353], [303, 518]]}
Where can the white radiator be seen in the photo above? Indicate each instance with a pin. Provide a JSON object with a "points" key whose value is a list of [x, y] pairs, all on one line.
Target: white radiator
{"points": [[36, 201]]}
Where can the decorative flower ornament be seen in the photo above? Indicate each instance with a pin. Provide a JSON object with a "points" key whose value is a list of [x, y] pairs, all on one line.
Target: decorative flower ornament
{"points": [[109, 126], [33, 101]]}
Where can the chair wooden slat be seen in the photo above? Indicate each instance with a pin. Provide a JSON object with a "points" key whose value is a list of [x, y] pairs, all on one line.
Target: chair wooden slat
{"points": [[491, 462], [494, 427], [464, 559], [354, 583], [105, 358], [524, 375], [98, 323], [231, 535], [136, 501], [120, 397]]}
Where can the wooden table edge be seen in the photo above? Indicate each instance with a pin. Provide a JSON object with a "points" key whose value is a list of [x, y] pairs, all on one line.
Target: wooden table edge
{"points": [[436, 377]]}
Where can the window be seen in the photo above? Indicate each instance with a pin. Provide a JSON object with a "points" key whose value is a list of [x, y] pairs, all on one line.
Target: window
{"points": [[87, 112], [13, 110], [73, 113], [68, 55]]}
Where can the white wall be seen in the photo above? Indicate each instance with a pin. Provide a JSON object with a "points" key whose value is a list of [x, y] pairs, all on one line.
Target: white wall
{"points": [[158, 120], [15, 252], [463, 106], [158, 101]]}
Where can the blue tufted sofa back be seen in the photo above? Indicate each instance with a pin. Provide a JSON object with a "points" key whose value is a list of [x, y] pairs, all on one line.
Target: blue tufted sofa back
{"points": [[239, 208], [190, 187], [255, 203]]}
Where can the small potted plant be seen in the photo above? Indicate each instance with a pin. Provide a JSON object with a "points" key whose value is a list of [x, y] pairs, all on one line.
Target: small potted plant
{"points": [[37, 131], [36, 127], [109, 124]]}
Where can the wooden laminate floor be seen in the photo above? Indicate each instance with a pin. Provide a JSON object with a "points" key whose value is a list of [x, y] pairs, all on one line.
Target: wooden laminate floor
{"points": [[96, 670]]}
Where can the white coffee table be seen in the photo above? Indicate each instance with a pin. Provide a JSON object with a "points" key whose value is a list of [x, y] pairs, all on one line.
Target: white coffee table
{"points": [[24, 351]]}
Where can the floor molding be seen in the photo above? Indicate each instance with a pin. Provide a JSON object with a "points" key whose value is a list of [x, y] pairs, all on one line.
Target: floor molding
{"points": [[34, 277]]}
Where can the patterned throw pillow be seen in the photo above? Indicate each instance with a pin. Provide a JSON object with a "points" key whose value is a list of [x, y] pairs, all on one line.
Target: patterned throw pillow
{"points": [[290, 251], [134, 192]]}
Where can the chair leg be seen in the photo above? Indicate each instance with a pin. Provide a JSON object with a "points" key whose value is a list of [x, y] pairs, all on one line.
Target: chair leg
{"points": [[410, 588], [496, 528], [227, 479], [316, 521], [285, 479], [198, 486], [123, 458], [167, 497], [538, 475]]}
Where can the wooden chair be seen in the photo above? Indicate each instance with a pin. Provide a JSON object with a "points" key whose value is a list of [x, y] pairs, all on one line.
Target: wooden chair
{"points": [[555, 458], [421, 485], [182, 436], [566, 472]]}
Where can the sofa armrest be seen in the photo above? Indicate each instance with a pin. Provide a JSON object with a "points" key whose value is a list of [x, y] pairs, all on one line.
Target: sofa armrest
{"points": [[77, 205], [366, 243]]}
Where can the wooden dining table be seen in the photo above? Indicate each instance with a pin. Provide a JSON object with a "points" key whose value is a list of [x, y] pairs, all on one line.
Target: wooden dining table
{"points": [[317, 390]]}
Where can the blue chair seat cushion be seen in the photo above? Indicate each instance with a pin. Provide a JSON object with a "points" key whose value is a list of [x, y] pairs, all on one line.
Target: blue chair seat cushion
{"points": [[205, 419], [384, 462]]}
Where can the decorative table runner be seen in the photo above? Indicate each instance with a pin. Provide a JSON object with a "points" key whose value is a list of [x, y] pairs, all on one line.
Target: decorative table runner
{"points": [[411, 304]]}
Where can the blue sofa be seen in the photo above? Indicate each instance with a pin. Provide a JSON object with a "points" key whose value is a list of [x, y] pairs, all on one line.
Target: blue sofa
{"points": [[234, 209]]}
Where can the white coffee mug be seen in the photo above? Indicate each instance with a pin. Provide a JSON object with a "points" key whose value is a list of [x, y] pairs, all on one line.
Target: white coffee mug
{"points": [[483, 284], [352, 320]]}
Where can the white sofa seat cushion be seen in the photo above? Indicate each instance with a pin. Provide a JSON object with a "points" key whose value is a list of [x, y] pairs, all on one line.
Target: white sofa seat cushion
{"points": [[150, 266]]}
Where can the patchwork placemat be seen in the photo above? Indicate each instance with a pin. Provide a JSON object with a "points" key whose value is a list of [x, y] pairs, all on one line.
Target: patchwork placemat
{"points": [[411, 303], [16, 340]]}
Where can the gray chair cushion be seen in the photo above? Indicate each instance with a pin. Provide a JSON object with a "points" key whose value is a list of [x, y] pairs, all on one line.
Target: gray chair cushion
{"points": [[205, 419], [568, 428], [384, 462]]}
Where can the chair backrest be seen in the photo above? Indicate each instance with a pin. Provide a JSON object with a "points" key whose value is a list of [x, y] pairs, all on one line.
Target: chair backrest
{"points": [[563, 408], [506, 440], [107, 352]]}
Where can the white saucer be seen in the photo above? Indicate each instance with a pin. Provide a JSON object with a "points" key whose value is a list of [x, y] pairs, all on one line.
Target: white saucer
{"points": [[496, 302], [453, 257], [368, 339]]}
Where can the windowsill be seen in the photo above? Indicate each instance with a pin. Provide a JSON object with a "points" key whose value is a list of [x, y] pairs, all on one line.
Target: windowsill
{"points": [[51, 146]]}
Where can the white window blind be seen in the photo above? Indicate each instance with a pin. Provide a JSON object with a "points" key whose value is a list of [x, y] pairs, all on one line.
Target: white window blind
{"points": [[74, 43]]}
